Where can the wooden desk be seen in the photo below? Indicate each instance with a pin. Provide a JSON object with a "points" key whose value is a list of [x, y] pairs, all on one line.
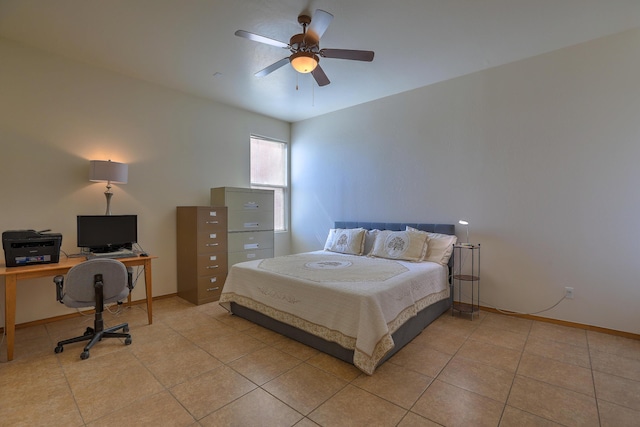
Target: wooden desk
{"points": [[13, 274]]}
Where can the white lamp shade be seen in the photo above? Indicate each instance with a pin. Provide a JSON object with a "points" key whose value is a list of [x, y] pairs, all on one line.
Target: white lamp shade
{"points": [[466, 225], [106, 170], [304, 62]]}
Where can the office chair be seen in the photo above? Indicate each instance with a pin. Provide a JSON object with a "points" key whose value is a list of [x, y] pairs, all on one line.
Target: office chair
{"points": [[94, 283]]}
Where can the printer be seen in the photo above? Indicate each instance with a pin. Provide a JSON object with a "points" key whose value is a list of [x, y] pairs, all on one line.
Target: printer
{"points": [[27, 247]]}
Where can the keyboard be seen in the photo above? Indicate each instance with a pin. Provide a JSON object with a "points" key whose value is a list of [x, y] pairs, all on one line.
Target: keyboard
{"points": [[123, 253]]}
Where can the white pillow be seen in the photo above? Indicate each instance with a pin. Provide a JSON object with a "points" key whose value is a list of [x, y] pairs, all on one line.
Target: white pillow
{"points": [[439, 247], [369, 239], [345, 241], [330, 237], [405, 245]]}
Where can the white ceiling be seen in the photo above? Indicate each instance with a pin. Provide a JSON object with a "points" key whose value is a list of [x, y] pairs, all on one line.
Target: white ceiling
{"points": [[182, 44]]}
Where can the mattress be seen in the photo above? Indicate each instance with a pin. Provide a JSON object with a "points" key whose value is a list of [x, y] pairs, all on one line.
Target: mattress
{"points": [[357, 302]]}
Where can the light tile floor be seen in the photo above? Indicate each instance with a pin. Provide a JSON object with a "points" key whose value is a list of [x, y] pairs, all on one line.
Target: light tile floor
{"points": [[201, 366]]}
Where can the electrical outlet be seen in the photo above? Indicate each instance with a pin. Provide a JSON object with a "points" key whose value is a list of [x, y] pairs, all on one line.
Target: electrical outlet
{"points": [[568, 292]]}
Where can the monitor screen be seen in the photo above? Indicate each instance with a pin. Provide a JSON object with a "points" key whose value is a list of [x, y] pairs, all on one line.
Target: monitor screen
{"points": [[105, 233]]}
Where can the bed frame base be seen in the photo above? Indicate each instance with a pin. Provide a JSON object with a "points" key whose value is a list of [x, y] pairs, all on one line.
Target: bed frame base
{"points": [[401, 337]]}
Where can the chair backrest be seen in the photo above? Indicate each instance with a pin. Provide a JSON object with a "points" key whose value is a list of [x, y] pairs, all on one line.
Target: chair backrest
{"points": [[78, 290]]}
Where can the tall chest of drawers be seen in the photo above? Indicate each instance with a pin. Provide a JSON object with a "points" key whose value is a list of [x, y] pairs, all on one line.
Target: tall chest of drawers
{"points": [[201, 233], [250, 222]]}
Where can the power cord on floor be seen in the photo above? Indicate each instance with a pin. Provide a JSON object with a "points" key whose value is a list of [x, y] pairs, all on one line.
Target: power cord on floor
{"points": [[116, 312], [503, 311]]}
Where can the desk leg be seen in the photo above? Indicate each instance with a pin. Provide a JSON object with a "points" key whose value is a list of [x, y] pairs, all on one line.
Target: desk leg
{"points": [[148, 287], [10, 312]]}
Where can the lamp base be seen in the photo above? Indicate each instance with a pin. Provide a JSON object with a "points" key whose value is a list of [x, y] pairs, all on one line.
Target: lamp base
{"points": [[108, 194]]}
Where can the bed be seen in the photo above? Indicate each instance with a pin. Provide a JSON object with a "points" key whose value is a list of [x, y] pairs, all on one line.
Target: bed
{"points": [[357, 308]]}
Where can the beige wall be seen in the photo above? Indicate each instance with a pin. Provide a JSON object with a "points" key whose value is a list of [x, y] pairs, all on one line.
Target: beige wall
{"points": [[56, 115], [541, 156]]}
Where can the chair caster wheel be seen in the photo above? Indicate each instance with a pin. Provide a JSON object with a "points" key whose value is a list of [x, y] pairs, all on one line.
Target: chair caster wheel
{"points": [[125, 329], [89, 331], [127, 341], [59, 349], [84, 355]]}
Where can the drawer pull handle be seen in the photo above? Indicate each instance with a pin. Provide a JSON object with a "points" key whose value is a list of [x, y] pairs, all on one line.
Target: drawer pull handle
{"points": [[251, 246], [251, 205], [213, 289], [211, 244], [251, 225], [213, 222], [211, 267]]}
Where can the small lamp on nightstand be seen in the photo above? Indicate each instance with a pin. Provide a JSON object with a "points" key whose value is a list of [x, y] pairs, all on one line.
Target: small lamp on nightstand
{"points": [[111, 172], [466, 224]]}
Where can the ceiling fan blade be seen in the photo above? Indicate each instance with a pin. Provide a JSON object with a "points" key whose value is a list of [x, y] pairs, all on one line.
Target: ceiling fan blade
{"points": [[356, 55], [260, 39], [271, 68], [319, 24], [320, 76]]}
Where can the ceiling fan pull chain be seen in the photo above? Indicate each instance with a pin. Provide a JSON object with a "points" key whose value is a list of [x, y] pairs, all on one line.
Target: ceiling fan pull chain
{"points": [[296, 81]]}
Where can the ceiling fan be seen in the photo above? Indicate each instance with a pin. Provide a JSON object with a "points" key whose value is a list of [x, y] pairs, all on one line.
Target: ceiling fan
{"points": [[305, 48]]}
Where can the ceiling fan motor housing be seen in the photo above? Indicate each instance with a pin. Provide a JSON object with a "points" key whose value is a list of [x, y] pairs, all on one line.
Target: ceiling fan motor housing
{"points": [[304, 20], [300, 43]]}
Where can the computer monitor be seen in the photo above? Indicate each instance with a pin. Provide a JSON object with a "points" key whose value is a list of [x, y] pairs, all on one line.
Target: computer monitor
{"points": [[107, 233]]}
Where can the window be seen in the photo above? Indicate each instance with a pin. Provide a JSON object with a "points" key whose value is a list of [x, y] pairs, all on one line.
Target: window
{"points": [[269, 172]]}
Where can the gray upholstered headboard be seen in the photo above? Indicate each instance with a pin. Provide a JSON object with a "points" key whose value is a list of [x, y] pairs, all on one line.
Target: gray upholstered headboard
{"points": [[399, 226]]}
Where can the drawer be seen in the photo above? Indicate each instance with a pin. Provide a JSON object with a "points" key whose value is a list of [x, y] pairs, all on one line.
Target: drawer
{"points": [[211, 241], [242, 199], [215, 263], [257, 200], [250, 220], [250, 241], [242, 256], [212, 219], [210, 287]]}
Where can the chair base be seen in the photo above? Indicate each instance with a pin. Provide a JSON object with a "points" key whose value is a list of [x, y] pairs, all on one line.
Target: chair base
{"points": [[94, 336]]}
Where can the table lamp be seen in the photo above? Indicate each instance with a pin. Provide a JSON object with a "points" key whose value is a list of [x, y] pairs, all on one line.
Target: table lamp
{"points": [[109, 172], [466, 224]]}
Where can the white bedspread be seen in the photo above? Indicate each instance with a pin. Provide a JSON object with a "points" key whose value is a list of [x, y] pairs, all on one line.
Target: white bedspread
{"points": [[355, 301]]}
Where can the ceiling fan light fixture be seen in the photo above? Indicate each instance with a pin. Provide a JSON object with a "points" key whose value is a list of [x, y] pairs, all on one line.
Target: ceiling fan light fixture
{"points": [[304, 62]]}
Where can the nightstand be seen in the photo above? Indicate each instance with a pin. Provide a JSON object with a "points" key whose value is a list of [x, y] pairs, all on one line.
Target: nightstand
{"points": [[463, 281]]}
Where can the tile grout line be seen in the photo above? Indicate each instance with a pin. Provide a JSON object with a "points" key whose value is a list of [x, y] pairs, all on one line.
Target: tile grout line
{"points": [[515, 374], [593, 379]]}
